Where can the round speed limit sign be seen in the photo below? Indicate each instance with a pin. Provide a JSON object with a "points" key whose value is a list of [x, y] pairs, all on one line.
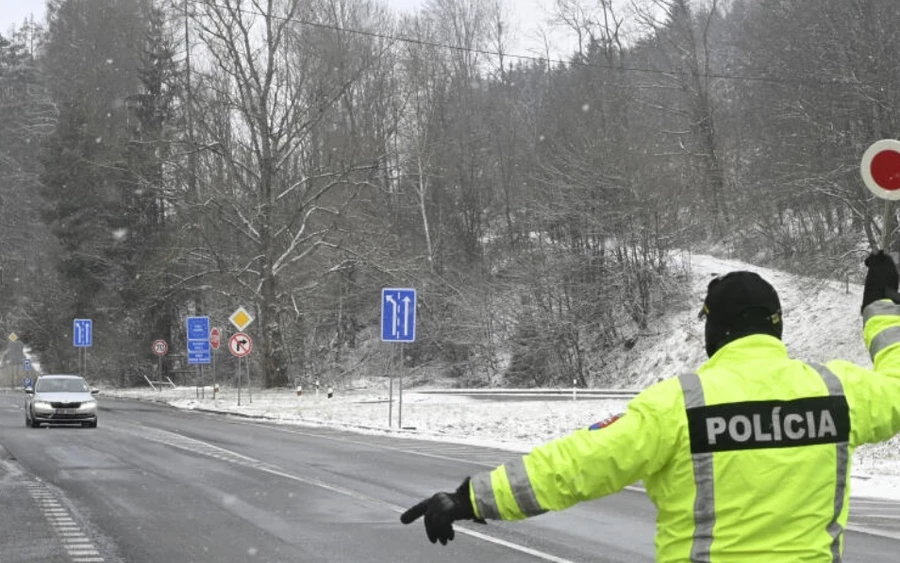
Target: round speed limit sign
{"points": [[160, 347]]}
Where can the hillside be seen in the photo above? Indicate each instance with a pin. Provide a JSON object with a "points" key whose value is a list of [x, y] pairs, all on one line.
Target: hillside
{"points": [[821, 322]]}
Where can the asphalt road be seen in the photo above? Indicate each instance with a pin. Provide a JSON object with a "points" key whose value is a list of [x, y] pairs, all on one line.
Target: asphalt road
{"points": [[154, 484]]}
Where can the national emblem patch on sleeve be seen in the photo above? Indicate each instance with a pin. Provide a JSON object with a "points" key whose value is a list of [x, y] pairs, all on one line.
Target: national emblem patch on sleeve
{"points": [[605, 422]]}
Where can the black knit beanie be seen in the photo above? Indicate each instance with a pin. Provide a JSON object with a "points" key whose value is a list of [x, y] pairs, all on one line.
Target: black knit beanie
{"points": [[739, 304]]}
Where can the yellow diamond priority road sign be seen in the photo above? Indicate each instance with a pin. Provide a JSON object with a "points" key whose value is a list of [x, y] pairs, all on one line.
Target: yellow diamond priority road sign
{"points": [[13, 337], [240, 318]]}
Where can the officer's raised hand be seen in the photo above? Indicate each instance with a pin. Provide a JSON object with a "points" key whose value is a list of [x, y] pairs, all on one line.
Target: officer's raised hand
{"points": [[881, 279], [440, 511]]}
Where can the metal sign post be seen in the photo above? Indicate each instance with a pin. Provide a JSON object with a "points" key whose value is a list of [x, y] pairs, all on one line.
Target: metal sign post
{"points": [[398, 324], [198, 347], [240, 345], [215, 339], [160, 347], [83, 338]]}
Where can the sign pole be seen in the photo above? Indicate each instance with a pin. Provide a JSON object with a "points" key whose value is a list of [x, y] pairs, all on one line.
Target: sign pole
{"points": [[390, 397], [398, 324], [215, 383], [239, 381], [249, 382], [400, 391]]}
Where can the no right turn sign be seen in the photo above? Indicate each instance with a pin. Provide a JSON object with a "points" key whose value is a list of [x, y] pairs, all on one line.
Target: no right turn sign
{"points": [[240, 344]]}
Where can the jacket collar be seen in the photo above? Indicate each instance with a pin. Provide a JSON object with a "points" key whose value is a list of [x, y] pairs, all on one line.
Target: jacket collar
{"points": [[752, 346]]}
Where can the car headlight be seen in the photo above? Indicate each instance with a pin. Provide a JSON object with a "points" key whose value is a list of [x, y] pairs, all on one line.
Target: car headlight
{"points": [[89, 405], [42, 405]]}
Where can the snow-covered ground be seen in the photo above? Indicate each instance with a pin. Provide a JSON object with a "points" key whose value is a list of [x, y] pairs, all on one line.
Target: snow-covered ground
{"points": [[822, 322]]}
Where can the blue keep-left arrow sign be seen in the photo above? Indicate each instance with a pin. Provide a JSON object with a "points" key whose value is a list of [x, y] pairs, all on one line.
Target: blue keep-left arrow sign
{"points": [[398, 315]]}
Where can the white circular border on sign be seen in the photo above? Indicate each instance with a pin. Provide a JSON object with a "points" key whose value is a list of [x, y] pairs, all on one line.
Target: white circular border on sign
{"points": [[865, 168], [160, 347], [232, 343]]}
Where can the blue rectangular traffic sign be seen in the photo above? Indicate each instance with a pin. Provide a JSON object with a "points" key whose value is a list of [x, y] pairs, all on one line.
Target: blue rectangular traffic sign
{"points": [[198, 340], [398, 315], [198, 328], [199, 357], [198, 345], [83, 333]]}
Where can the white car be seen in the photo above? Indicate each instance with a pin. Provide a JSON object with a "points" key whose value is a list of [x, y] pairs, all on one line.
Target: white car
{"points": [[60, 399]]}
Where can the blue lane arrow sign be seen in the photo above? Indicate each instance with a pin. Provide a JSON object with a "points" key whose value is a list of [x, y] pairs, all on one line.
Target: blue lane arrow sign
{"points": [[398, 315], [83, 333]]}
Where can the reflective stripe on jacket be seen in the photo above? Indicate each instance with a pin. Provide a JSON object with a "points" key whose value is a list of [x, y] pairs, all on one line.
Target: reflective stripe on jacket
{"points": [[746, 460]]}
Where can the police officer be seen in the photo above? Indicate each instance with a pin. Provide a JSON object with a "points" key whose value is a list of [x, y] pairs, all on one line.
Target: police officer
{"points": [[746, 459]]}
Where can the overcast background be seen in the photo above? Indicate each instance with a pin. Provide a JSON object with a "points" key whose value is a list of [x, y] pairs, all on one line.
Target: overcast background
{"points": [[529, 16]]}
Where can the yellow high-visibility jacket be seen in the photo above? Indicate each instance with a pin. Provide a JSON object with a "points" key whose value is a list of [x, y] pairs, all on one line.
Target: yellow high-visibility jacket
{"points": [[748, 459]]}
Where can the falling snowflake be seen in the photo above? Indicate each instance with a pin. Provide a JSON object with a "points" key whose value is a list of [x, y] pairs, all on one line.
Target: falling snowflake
{"points": [[120, 234]]}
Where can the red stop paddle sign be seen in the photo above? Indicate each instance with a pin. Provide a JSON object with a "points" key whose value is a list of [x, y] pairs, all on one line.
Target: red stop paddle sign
{"points": [[880, 169]]}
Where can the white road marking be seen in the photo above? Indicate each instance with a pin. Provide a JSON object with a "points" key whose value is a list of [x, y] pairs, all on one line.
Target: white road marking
{"points": [[198, 446], [76, 543]]}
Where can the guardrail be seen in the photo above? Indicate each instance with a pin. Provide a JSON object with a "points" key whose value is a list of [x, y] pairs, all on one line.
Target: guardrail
{"points": [[595, 393]]}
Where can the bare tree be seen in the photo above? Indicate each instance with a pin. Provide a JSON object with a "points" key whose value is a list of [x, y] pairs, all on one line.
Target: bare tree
{"points": [[279, 81], [681, 39]]}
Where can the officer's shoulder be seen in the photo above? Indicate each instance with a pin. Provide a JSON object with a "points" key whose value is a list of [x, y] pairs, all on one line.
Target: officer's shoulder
{"points": [[661, 394], [847, 371]]}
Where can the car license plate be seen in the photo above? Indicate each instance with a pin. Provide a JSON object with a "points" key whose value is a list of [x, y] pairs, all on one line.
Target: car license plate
{"points": [[66, 411]]}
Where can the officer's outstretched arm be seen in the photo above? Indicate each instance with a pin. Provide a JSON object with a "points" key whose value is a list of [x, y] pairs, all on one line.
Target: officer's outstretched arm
{"points": [[881, 333], [874, 395], [584, 465]]}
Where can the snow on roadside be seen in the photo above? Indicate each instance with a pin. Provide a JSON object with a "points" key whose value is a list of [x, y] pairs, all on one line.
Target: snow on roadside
{"points": [[822, 322]]}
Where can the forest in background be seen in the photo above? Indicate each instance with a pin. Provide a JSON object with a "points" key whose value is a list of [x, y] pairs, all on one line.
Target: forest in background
{"points": [[161, 159]]}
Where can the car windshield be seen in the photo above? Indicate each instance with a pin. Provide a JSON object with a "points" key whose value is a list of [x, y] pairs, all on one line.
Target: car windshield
{"points": [[68, 385]]}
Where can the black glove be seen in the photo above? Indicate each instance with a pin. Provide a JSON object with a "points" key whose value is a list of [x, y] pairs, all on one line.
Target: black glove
{"points": [[881, 279], [440, 511]]}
